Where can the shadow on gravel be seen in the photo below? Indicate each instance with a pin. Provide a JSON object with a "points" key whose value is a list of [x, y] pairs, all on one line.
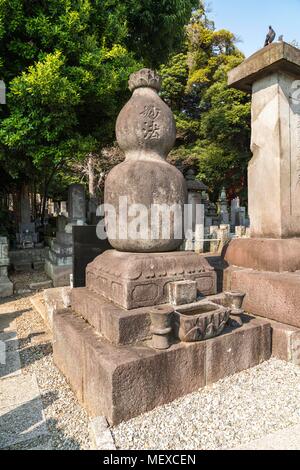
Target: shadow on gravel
{"points": [[25, 427], [33, 353], [7, 318], [14, 298]]}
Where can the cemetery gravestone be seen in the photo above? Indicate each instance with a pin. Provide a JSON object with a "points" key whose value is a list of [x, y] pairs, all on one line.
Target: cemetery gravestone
{"points": [[86, 247], [59, 262]]}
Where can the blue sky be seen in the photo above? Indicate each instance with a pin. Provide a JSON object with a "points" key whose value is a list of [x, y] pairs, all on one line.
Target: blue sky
{"points": [[250, 19]]}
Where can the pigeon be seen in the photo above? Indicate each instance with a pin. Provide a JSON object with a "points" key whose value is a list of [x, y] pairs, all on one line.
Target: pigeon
{"points": [[270, 36]]}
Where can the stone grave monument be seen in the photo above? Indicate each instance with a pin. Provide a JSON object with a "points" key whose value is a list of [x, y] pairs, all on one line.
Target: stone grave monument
{"points": [[267, 265], [27, 237], [223, 208], [141, 333], [6, 286], [59, 261], [194, 239]]}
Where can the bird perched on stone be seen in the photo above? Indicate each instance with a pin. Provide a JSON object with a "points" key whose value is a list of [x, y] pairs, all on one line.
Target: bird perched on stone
{"points": [[270, 36]]}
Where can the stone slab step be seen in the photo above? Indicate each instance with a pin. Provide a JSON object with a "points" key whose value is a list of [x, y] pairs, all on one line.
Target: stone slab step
{"points": [[21, 412], [286, 439], [41, 285]]}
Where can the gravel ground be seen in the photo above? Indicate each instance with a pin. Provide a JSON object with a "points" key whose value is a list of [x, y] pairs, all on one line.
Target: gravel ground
{"points": [[24, 279], [66, 420], [234, 411]]}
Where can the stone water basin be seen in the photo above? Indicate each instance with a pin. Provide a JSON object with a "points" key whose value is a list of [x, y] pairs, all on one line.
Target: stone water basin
{"points": [[200, 321]]}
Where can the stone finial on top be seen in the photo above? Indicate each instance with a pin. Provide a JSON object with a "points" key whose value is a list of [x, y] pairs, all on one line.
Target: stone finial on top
{"points": [[144, 78]]}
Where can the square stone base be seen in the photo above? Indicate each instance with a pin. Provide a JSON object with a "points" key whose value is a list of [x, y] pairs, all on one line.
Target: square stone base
{"points": [[286, 342], [264, 254], [121, 382], [60, 275], [135, 280], [271, 295]]}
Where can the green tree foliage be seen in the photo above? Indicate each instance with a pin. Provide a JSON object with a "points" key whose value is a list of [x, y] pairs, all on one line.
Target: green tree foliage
{"points": [[213, 121], [156, 27], [66, 64]]}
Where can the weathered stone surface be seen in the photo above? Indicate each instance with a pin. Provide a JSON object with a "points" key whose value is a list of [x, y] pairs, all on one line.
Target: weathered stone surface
{"points": [[146, 132], [161, 183], [270, 295], [264, 254], [273, 172], [50, 301], [116, 324], [69, 338], [20, 258], [60, 275], [141, 280], [161, 326], [76, 203], [229, 354], [40, 285], [123, 382], [285, 342], [182, 292], [263, 63], [201, 321]]}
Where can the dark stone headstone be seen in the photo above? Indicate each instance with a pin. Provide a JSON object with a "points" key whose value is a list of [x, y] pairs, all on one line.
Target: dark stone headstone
{"points": [[86, 247]]}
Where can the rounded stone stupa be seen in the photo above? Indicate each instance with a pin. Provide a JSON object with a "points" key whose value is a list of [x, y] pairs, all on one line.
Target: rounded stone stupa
{"points": [[146, 132]]}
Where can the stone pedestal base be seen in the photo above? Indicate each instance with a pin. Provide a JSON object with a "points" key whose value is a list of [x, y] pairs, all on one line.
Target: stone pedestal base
{"points": [[286, 343], [264, 254], [268, 271], [60, 275], [134, 280], [122, 382], [27, 259], [271, 295]]}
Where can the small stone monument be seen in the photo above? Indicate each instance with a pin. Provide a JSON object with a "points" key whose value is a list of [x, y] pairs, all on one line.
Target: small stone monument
{"points": [[6, 286], [223, 208], [117, 344], [58, 264], [195, 213], [234, 210], [27, 237], [63, 208]]}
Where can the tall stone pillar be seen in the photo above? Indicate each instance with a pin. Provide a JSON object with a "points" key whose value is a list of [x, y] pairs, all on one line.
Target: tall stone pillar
{"points": [[272, 254]]}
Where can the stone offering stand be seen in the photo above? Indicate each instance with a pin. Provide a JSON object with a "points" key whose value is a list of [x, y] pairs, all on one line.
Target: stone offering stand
{"points": [[149, 327]]}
